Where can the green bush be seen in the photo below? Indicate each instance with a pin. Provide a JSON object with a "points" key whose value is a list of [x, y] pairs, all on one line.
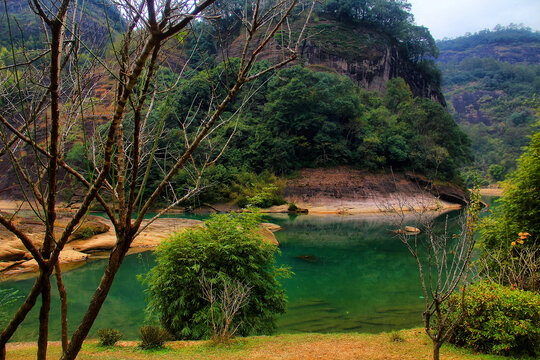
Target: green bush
{"points": [[108, 336], [153, 337], [229, 246], [262, 190], [499, 320], [292, 207]]}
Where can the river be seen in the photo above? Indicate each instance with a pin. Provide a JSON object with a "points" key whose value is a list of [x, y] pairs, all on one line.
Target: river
{"points": [[350, 274]]}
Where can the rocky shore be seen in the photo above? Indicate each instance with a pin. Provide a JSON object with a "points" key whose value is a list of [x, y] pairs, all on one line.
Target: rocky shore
{"points": [[94, 238]]}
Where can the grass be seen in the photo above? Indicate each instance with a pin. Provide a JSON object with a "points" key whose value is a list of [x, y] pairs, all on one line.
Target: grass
{"points": [[415, 346]]}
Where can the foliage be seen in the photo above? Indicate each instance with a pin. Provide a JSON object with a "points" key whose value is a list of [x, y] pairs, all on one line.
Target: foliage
{"points": [[108, 336], [229, 246], [499, 320], [395, 336], [292, 207], [391, 17], [512, 33], [153, 337], [262, 191], [302, 118], [518, 214]]}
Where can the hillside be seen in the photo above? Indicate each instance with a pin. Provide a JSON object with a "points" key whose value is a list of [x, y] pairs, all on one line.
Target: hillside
{"points": [[489, 77], [364, 93], [93, 18]]}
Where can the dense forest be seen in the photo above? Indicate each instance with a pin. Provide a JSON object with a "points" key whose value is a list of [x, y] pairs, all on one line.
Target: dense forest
{"points": [[302, 118], [490, 79]]}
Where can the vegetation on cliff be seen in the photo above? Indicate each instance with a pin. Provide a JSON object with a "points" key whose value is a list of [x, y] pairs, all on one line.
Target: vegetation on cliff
{"points": [[302, 118], [489, 79]]}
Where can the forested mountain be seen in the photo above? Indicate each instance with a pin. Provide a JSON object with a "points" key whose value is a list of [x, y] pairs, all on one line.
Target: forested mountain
{"points": [[90, 21], [365, 92], [490, 79]]}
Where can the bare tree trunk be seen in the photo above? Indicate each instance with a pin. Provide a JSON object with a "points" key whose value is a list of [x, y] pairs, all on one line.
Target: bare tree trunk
{"points": [[436, 349], [63, 306], [44, 320], [117, 256]]}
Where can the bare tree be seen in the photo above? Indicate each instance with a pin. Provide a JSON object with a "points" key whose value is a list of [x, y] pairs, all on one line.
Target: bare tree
{"points": [[444, 262], [230, 298], [47, 94]]}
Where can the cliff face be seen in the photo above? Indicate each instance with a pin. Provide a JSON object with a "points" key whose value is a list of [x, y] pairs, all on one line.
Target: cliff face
{"points": [[370, 58], [372, 70]]}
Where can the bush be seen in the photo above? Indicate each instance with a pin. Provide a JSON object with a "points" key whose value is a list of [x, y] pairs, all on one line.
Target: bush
{"points": [[231, 247], [499, 320], [292, 207], [108, 336], [153, 337], [262, 190]]}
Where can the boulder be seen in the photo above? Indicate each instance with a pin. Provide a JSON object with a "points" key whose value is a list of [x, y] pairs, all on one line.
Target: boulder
{"points": [[88, 229], [8, 253], [95, 244], [268, 236], [412, 230], [408, 230], [272, 227]]}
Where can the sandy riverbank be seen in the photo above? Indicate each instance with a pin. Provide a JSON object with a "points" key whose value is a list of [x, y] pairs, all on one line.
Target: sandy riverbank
{"points": [[16, 262]]}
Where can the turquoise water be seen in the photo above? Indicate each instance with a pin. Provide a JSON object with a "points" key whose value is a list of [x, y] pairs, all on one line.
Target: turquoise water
{"points": [[350, 274]]}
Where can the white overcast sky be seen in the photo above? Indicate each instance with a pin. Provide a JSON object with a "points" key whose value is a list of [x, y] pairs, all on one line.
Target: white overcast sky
{"points": [[453, 18]]}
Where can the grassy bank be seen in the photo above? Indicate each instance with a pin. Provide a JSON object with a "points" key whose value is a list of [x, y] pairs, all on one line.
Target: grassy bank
{"points": [[409, 345]]}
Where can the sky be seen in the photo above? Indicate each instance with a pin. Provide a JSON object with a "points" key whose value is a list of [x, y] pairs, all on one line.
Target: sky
{"points": [[453, 18]]}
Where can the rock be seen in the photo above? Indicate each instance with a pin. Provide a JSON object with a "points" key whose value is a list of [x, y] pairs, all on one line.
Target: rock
{"points": [[88, 229], [268, 236], [308, 258], [412, 229], [446, 192], [67, 256], [277, 209], [298, 211], [8, 253], [94, 244], [408, 230], [272, 227]]}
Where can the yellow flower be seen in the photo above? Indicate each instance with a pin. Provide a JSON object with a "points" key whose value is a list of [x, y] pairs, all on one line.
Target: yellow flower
{"points": [[513, 243]]}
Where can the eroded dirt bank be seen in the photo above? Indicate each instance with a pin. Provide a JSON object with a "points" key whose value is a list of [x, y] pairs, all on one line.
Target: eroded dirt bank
{"points": [[345, 190]]}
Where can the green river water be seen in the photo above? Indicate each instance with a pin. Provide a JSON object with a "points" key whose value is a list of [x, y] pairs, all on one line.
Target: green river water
{"points": [[351, 274]]}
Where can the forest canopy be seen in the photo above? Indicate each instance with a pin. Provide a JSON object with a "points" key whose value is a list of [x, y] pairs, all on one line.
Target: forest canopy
{"points": [[302, 118]]}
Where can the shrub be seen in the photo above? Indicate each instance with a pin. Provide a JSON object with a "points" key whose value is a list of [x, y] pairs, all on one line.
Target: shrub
{"points": [[499, 320], [292, 207], [153, 337], [262, 190], [229, 246], [108, 336], [395, 336]]}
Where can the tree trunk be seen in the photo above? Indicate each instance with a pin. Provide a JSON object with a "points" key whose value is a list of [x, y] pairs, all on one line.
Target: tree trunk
{"points": [[117, 256], [436, 349], [63, 305], [44, 320]]}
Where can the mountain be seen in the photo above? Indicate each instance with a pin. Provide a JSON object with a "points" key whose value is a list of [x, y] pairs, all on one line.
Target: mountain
{"points": [[93, 18], [364, 93], [489, 80]]}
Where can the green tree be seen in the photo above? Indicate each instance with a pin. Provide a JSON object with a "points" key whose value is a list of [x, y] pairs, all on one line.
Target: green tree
{"points": [[510, 235], [227, 247]]}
